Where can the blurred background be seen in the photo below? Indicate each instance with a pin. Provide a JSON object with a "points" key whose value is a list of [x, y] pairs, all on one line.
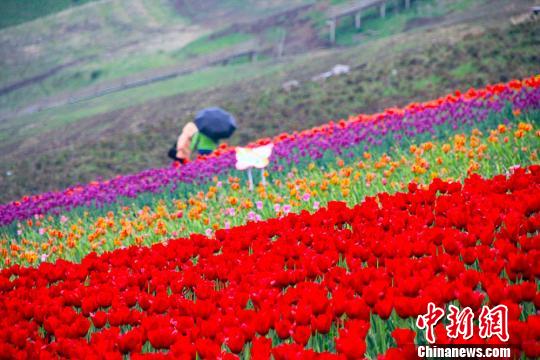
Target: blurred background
{"points": [[90, 89]]}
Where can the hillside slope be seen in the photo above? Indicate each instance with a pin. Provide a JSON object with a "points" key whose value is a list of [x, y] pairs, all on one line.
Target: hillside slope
{"points": [[15, 12], [462, 49]]}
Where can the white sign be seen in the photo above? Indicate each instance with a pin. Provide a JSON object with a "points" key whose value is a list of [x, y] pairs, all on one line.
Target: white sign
{"points": [[259, 157]]}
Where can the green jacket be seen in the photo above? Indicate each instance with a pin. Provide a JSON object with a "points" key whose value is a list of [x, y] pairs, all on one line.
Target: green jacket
{"points": [[202, 142]]}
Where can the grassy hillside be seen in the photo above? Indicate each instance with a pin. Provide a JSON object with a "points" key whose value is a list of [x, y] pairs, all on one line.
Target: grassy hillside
{"points": [[86, 44], [100, 41], [383, 76], [14, 12], [221, 12], [56, 119], [109, 43]]}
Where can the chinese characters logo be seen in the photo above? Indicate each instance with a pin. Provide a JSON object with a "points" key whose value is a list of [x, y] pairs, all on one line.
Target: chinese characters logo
{"points": [[491, 322]]}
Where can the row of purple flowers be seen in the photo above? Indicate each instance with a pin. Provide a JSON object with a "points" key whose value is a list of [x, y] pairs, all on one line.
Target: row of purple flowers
{"points": [[343, 139]]}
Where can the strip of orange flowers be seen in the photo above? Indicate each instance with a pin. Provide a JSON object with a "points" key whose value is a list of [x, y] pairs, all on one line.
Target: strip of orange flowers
{"points": [[342, 283]]}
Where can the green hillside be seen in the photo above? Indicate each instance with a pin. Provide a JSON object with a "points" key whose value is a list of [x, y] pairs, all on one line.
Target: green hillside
{"points": [[14, 12]]}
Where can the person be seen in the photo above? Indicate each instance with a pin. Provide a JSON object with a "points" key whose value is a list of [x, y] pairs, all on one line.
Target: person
{"points": [[190, 141]]}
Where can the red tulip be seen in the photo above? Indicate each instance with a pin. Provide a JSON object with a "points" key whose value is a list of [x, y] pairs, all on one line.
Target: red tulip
{"points": [[383, 308], [404, 337], [130, 342], [357, 309], [161, 338], [350, 346], [207, 349], [99, 319], [283, 329], [301, 335], [236, 340], [261, 348], [322, 323]]}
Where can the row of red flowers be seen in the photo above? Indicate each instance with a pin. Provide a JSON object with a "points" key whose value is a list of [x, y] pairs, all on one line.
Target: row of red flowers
{"points": [[488, 92], [314, 286]]}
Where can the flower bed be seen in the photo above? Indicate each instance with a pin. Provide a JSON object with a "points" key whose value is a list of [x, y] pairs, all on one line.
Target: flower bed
{"points": [[366, 130], [228, 202], [331, 285]]}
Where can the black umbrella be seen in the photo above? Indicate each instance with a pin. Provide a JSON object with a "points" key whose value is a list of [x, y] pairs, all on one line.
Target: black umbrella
{"points": [[215, 123]]}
